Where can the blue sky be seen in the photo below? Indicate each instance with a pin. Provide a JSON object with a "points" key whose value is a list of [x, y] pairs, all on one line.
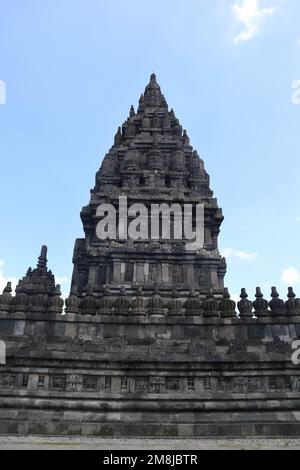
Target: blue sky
{"points": [[72, 68]]}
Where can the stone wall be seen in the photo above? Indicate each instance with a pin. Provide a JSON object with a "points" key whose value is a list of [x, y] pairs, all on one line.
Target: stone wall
{"points": [[115, 375]]}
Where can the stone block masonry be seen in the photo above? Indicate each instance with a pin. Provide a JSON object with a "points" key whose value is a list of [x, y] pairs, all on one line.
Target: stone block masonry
{"points": [[150, 343]]}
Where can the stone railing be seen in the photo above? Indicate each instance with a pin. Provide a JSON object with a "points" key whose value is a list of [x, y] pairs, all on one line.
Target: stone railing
{"points": [[138, 304]]}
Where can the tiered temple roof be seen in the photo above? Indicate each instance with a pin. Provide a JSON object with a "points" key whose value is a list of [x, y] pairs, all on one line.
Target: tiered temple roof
{"points": [[151, 161]]}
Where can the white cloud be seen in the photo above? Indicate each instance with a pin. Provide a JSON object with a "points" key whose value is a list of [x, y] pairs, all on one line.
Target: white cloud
{"points": [[229, 253], [298, 42], [4, 280], [290, 276], [236, 298], [62, 280], [252, 16]]}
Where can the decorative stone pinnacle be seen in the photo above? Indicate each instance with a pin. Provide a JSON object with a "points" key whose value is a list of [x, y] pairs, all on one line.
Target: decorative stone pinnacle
{"points": [[258, 294], [244, 294], [132, 111], [226, 294], [42, 260], [8, 288], [57, 290], [118, 136], [274, 292], [291, 293]]}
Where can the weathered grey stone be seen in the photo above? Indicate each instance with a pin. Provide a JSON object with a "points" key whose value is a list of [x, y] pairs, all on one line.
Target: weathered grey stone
{"points": [[150, 344]]}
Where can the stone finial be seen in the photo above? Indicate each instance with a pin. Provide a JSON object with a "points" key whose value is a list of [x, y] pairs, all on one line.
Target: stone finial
{"points": [[6, 298], [276, 305], [178, 130], [39, 302], [193, 304], [223, 264], [292, 305], [108, 167], [274, 293], [227, 306], [56, 303], [139, 303], [118, 137], [175, 304], [164, 102], [291, 293], [36, 289], [245, 305], [195, 165], [7, 289], [152, 85], [42, 260], [226, 294], [155, 304], [211, 306], [141, 107], [122, 303], [57, 289], [106, 302], [153, 96], [132, 111], [261, 306], [21, 301], [89, 303], [186, 139], [72, 302]]}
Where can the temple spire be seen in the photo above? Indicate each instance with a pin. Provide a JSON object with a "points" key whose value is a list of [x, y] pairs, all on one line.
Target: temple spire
{"points": [[153, 96], [151, 160], [42, 259]]}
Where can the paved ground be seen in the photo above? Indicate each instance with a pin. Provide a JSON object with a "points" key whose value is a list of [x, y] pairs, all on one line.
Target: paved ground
{"points": [[82, 443]]}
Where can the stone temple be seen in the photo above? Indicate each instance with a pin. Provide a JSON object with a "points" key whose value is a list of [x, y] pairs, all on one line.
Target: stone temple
{"points": [[150, 342]]}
